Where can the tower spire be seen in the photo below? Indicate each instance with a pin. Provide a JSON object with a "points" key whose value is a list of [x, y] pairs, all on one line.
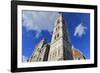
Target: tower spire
{"points": [[60, 48]]}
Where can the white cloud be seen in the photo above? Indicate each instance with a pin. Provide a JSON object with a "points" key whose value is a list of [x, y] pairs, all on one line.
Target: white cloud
{"points": [[72, 46], [39, 21], [80, 30], [24, 59]]}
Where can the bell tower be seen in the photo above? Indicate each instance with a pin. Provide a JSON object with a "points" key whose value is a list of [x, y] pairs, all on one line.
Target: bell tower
{"points": [[60, 47]]}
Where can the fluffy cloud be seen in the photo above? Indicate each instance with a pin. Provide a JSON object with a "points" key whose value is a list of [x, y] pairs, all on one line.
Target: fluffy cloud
{"points": [[24, 59], [38, 21], [72, 46], [80, 30]]}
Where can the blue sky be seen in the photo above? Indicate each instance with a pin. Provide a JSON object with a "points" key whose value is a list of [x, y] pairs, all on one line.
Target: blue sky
{"points": [[37, 25]]}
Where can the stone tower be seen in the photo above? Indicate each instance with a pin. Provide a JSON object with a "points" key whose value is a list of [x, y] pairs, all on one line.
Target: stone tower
{"points": [[60, 47], [41, 52]]}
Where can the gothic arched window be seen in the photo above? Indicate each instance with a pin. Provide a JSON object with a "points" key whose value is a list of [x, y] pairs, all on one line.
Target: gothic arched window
{"points": [[58, 27], [58, 21], [34, 56], [39, 59], [57, 35]]}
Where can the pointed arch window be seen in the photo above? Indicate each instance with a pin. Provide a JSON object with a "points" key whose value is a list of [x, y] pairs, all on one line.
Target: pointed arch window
{"points": [[58, 27], [57, 35], [58, 21], [39, 59]]}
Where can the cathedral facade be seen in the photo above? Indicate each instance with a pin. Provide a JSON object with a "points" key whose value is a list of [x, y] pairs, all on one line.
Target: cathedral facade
{"points": [[60, 47]]}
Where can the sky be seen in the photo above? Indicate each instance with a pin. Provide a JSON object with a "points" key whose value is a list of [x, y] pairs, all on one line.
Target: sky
{"points": [[38, 24]]}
